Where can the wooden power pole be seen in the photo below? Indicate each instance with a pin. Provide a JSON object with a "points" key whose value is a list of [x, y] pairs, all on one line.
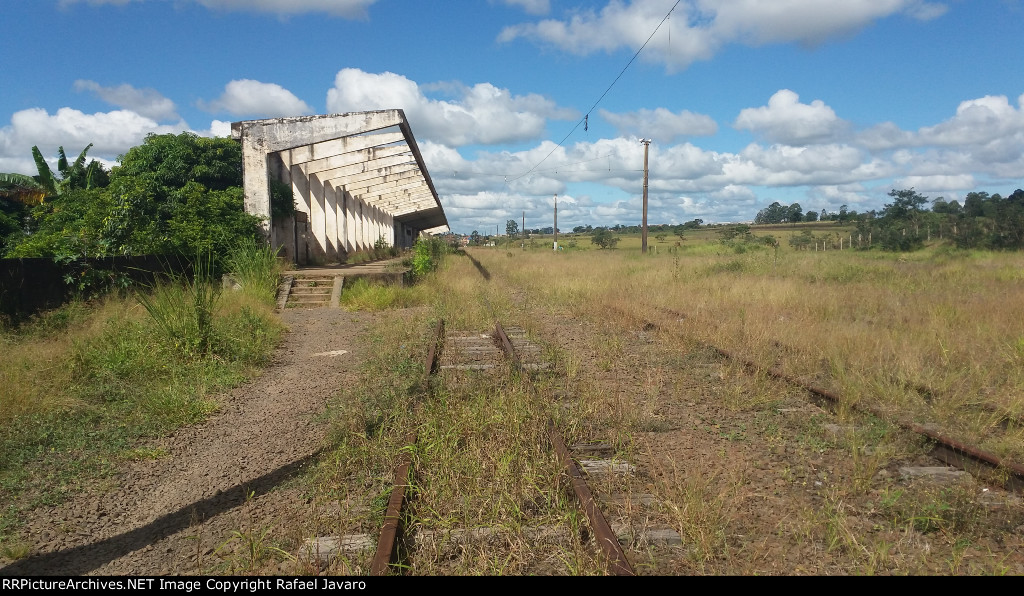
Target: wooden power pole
{"points": [[643, 236], [556, 222]]}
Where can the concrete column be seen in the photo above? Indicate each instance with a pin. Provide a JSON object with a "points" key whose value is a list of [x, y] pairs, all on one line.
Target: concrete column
{"points": [[300, 188], [360, 239], [282, 235], [331, 215], [364, 224], [350, 223], [342, 230], [317, 218], [255, 179], [376, 225]]}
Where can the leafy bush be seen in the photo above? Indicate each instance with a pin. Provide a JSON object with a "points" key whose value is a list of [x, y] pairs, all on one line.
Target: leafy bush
{"points": [[604, 238], [174, 194], [427, 255]]}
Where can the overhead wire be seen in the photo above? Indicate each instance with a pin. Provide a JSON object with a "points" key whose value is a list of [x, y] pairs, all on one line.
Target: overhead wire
{"points": [[599, 99]]}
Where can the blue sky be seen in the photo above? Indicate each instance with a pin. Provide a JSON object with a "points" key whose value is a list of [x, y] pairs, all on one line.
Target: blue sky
{"points": [[821, 102]]}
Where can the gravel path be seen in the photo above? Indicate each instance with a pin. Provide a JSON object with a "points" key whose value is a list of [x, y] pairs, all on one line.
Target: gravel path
{"points": [[165, 515]]}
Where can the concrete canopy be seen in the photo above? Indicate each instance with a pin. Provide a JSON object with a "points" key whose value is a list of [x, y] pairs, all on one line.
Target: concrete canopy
{"points": [[356, 177]]}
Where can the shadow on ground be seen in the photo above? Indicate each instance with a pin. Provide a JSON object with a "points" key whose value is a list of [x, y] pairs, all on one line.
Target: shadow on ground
{"points": [[89, 557]]}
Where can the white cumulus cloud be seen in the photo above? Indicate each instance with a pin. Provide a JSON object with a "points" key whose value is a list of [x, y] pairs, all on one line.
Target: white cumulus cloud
{"points": [[786, 120], [661, 124], [700, 28], [145, 102], [111, 133], [246, 97], [481, 114]]}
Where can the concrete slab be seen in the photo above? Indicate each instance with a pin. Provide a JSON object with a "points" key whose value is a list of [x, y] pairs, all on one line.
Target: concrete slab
{"points": [[606, 466], [325, 549], [642, 499], [629, 536], [937, 473]]}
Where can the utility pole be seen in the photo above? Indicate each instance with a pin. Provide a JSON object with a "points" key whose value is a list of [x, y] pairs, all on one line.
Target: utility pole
{"points": [[556, 222], [524, 230], [643, 238]]}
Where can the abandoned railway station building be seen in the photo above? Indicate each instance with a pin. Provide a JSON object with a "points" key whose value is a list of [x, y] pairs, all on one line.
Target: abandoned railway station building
{"points": [[357, 179]]}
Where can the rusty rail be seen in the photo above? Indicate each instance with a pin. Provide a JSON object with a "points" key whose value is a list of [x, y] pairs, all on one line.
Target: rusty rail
{"points": [[392, 519], [389, 533], [957, 447], [606, 539], [506, 344], [603, 534]]}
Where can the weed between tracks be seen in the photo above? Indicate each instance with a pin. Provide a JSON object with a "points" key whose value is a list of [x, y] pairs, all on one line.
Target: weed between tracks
{"points": [[755, 477]]}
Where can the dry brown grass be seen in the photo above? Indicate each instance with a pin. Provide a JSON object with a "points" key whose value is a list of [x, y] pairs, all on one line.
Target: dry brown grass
{"points": [[870, 326], [874, 327]]}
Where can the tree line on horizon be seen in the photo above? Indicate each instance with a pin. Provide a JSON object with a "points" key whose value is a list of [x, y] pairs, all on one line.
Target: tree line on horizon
{"points": [[984, 221]]}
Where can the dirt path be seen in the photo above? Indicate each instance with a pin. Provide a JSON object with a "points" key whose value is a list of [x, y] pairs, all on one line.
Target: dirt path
{"points": [[166, 516]]}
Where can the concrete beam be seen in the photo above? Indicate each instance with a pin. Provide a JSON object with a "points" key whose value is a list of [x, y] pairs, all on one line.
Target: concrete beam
{"points": [[389, 196], [309, 153], [354, 157], [376, 193], [281, 134], [384, 181], [373, 166], [412, 206], [354, 180]]}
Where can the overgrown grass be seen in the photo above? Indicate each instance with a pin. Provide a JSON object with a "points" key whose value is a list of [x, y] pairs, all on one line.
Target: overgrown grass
{"points": [[86, 384], [870, 326], [363, 295], [255, 267], [481, 461]]}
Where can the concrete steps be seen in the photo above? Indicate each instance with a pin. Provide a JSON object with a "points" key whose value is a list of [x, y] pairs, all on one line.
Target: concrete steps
{"points": [[314, 291]]}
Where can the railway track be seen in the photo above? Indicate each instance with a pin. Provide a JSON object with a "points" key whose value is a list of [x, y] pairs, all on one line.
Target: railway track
{"points": [[481, 353], [949, 450], [505, 358], [390, 532], [606, 539]]}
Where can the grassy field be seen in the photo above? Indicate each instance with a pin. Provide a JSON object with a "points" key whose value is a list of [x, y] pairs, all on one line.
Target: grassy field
{"points": [[933, 336], [754, 477], [82, 386]]}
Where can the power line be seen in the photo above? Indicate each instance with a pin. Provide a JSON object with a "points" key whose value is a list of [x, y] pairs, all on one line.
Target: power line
{"points": [[587, 115]]}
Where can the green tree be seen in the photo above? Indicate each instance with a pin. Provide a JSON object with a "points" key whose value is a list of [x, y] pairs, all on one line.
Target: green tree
{"points": [[512, 229], [794, 213], [604, 238], [174, 194]]}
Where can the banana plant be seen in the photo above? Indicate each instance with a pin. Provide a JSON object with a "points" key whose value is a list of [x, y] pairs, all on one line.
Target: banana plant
{"points": [[22, 188], [33, 190]]}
